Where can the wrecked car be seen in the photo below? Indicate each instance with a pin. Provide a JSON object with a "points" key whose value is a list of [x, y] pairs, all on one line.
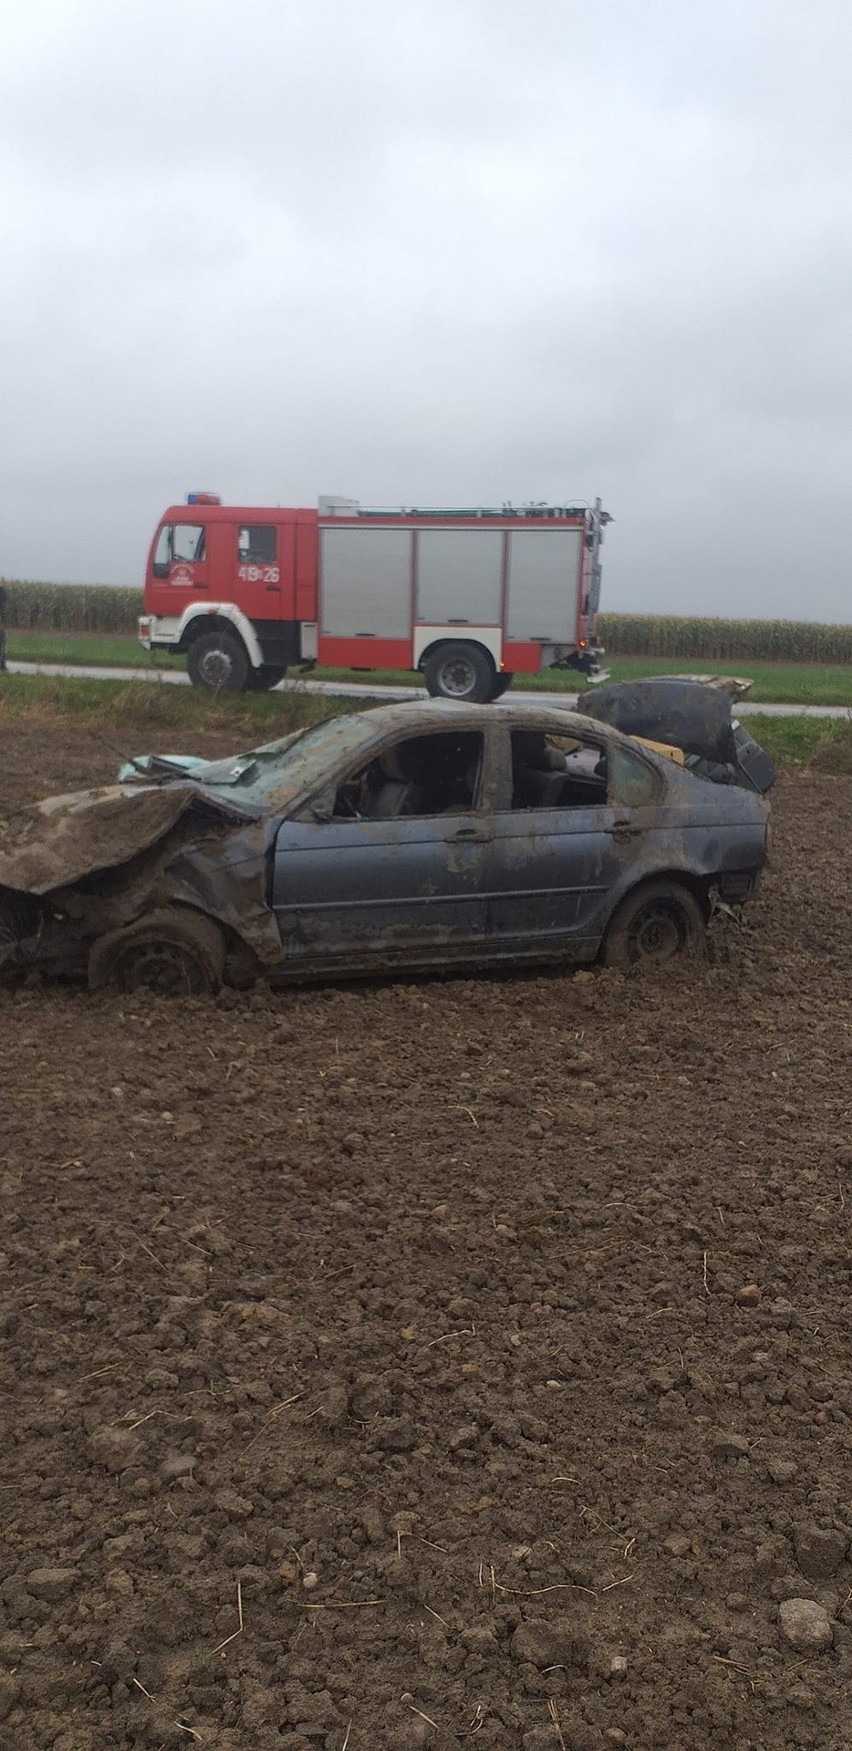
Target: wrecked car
{"points": [[412, 836], [693, 714]]}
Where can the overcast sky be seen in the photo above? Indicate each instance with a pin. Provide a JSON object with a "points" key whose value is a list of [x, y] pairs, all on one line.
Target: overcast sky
{"points": [[435, 251]]}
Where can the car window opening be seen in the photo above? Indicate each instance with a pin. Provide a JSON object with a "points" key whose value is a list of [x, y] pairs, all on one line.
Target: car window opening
{"points": [[556, 772], [424, 775]]}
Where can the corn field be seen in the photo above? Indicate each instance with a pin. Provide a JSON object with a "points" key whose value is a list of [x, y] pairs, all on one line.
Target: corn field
{"points": [[721, 641], [90, 608], [109, 610]]}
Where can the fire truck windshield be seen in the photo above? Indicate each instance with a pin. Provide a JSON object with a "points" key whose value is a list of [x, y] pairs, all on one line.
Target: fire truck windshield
{"points": [[178, 544]]}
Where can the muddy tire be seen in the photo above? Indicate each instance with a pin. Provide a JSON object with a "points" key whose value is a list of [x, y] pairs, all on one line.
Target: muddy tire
{"points": [[653, 925], [463, 672], [173, 953], [218, 662], [502, 683], [18, 918]]}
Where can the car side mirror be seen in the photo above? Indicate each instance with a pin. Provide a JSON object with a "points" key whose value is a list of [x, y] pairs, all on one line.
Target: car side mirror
{"points": [[160, 568]]}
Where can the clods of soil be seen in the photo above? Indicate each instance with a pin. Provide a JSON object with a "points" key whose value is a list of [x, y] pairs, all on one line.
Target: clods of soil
{"points": [[440, 1363]]}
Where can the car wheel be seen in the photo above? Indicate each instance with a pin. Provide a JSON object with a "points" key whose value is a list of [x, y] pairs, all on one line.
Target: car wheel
{"points": [[173, 952], [17, 919], [267, 676], [652, 925], [218, 661], [463, 672]]}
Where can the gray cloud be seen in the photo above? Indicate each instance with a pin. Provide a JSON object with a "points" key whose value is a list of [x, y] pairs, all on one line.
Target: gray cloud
{"points": [[434, 252]]}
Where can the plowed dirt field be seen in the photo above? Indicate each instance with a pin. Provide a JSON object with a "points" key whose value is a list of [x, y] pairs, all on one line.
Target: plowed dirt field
{"points": [[440, 1363]]}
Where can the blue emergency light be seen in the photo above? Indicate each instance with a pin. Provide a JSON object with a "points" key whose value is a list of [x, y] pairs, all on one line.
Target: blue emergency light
{"points": [[203, 498]]}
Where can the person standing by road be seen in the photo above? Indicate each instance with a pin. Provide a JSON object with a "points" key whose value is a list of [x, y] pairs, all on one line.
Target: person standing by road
{"points": [[2, 627]]}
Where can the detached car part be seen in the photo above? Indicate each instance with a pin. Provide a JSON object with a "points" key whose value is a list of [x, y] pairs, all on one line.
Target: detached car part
{"points": [[692, 716]]}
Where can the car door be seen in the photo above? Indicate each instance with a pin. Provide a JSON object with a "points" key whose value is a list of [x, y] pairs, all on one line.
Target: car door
{"points": [[680, 824], [407, 889], [559, 849]]}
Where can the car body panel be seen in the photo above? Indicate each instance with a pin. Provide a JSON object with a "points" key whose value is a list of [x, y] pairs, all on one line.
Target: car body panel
{"points": [[551, 871], [417, 884]]}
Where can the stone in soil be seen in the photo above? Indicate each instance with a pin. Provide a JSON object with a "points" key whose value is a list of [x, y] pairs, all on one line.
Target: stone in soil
{"points": [[820, 1553], [805, 1625]]}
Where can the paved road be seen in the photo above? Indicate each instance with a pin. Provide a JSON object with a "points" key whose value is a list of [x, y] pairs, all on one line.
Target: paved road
{"points": [[367, 690]]}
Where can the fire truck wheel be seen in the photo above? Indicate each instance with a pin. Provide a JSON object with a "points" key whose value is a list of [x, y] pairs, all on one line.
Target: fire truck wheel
{"points": [[219, 662], [460, 671], [268, 675], [174, 952]]}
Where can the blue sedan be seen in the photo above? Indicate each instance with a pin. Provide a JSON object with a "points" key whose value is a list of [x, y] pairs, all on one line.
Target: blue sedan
{"points": [[416, 836]]}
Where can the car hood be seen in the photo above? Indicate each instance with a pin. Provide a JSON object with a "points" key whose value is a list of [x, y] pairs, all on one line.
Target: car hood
{"points": [[59, 841]]}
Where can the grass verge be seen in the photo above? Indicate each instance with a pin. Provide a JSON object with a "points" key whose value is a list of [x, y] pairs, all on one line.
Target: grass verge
{"points": [[137, 706], [107, 650], [774, 684], [796, 743], [134, 707]]}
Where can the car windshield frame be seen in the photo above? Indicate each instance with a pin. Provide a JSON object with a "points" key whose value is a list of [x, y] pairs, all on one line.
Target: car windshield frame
{"points": [[285, 768]]}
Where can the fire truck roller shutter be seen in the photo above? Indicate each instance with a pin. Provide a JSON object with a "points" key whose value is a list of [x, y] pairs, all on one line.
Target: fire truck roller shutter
{"points": [[365, 582], [459, 571], [544, 573]]}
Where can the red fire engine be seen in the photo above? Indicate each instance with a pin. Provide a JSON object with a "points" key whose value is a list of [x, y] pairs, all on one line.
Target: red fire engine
{"points": [[468, 597]]}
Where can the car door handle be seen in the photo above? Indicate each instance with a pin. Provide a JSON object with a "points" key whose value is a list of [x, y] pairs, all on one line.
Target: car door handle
{"points": [[477, 834], [624, 830]]}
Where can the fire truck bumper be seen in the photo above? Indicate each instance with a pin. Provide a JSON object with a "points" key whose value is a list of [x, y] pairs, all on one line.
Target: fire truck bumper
{"points": [[158, 630]]}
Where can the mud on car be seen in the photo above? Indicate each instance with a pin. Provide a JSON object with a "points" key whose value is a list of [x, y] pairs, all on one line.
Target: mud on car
{"points": [[412, 836]]}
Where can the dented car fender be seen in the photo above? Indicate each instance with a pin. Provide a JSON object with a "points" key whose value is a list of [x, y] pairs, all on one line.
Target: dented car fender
{"points": [[60, 841]]}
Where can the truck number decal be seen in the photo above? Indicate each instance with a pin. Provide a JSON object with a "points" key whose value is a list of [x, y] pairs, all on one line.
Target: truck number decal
{"points": [[259, 574]]}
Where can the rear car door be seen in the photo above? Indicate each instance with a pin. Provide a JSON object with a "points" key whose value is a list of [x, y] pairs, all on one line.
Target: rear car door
{"points": [[561, 844], [402, 878]]}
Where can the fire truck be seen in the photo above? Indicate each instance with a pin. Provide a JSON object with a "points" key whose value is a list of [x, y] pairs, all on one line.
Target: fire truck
{"points": [[467, 597]]}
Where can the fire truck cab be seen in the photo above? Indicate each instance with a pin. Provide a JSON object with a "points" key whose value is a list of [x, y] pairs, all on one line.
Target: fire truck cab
{"points": [[467, 597]]}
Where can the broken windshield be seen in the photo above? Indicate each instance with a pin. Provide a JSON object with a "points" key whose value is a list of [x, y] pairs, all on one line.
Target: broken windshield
{"points": [[291, 764]]}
